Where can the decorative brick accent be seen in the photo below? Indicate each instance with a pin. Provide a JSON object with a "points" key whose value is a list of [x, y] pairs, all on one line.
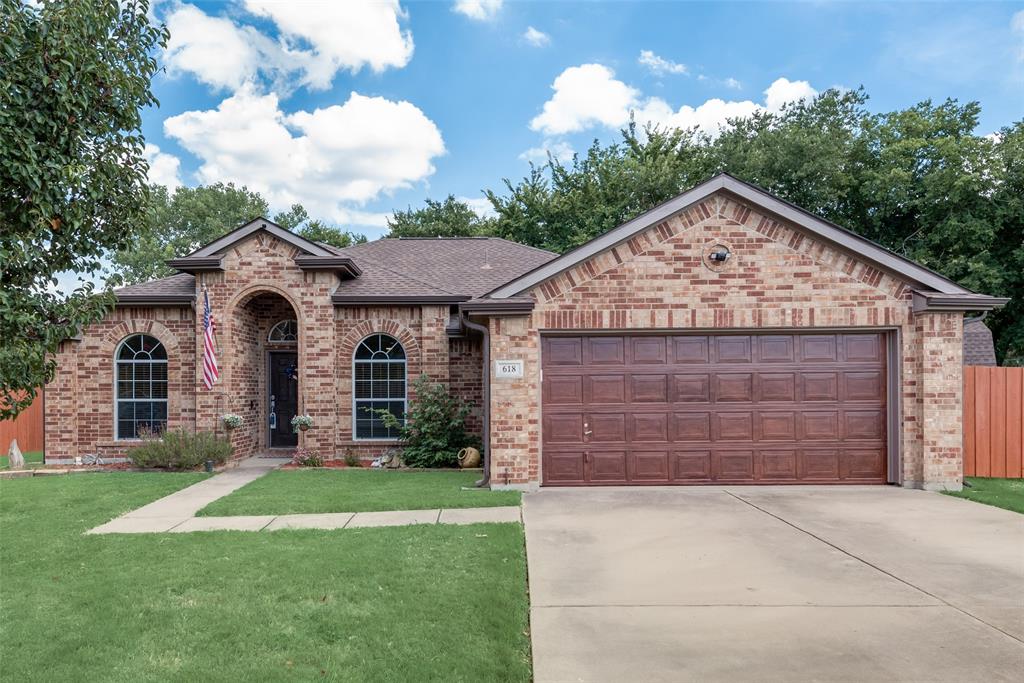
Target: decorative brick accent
{"points": [[778, 278]]}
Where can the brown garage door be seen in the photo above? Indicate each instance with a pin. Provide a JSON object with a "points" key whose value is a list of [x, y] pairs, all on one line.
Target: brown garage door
{"points": [[688, 409]]}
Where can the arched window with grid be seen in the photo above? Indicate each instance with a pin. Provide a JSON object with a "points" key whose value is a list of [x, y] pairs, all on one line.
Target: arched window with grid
{"points": [[379, 383], [140, 387]]}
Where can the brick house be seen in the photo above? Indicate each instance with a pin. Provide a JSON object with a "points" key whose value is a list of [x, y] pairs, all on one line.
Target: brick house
{"points": [[725, 336]]}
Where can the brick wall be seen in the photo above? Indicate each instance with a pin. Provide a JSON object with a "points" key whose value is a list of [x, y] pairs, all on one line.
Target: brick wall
{"points": [[465, 366], [940, 394], [778, 277], [79, 402]]}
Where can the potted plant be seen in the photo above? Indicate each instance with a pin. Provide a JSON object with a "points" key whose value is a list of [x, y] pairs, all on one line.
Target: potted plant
{"points": [[302, 422], [232, 421]]}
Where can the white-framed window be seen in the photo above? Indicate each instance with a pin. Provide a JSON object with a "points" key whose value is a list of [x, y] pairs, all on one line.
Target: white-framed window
{"points": [[140, 387], [378, 383], [285, 332]]}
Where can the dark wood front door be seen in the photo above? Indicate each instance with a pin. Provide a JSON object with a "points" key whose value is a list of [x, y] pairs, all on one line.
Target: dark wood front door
{"points": [[283, 398], [736, 408]]}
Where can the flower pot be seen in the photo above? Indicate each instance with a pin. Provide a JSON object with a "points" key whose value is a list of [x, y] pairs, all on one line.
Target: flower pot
{"points": [[303, 428]]}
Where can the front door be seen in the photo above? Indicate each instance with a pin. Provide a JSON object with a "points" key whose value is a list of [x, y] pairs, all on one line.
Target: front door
{"points": [[284, 398]]}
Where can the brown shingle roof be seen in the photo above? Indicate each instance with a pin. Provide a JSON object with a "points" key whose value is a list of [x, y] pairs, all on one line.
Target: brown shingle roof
{"points": [[460, 267], [181, 285], [978, 346]]}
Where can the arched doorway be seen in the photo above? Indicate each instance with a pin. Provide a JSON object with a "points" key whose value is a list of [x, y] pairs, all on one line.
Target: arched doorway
{"points": [[265, 372]]}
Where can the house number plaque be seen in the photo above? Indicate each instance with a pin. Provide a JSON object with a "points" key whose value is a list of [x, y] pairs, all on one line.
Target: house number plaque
{"points": [[504, 369]]}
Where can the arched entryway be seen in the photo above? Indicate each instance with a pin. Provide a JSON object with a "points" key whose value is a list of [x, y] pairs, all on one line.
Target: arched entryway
{"points": [[266, 339]]}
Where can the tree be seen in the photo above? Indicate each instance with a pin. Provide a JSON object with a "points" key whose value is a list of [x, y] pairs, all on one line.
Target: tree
{"points": [[74, 77], [317, 231], [448, 218], [178, 223]]}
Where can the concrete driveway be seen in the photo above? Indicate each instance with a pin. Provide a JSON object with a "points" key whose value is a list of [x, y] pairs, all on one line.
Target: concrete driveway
{"points": [[773, 584]]}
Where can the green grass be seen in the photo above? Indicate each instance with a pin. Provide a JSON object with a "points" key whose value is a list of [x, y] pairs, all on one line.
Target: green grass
{"points": [[423, 603], [31, 458], [357, 490], [1001, 493]]}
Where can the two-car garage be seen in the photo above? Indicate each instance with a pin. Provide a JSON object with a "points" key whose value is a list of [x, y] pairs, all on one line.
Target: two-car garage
{"points": [[650, 408]]}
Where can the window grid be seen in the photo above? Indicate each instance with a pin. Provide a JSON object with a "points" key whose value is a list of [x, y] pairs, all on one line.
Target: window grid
{"points": [[286, 331], [378, 383], [140, 387]]}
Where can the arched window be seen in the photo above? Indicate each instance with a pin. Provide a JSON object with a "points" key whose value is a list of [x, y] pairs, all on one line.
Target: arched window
{"points": [[286, 331], [141, 391], [378, 371]]}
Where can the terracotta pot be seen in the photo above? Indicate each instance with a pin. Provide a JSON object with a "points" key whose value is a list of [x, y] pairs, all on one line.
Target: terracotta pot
{"points": [[469, 457], [303, 428]]}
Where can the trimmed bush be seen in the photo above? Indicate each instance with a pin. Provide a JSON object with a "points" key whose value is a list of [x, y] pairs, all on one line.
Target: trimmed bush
{"points": [[435, 426], [180, 450], [307, 458]]}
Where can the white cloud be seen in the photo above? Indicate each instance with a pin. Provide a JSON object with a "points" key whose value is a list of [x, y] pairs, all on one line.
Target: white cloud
{"points": [[481, 206], [326, 159], [589, 95], [585, 96], [732, 83], [480, 10], [343, 35], [559, 149], [659, 65], [783, 91], [536, 38], [317, 39], [163, 167]]}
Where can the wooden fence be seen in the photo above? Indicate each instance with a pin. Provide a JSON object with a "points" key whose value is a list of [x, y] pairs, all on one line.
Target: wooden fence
{"points": [[27, 428], [993, 415]]}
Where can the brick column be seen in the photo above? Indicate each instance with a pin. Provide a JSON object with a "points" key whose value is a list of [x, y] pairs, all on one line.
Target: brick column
{"points": [[940, 393], [515, 448]]}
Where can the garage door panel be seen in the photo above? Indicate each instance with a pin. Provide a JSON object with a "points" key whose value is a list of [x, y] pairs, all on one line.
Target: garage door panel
{"points": [[778, 465], [648, 389], [564, 468], [648, 350], [819, 464], [649, 466], [691, 388], [690, 427], [777, 387], [775, 348], [691, 466], [737, 408], [734, 465], [562, 390], [649, 427], [606, 428], [733, 426], [862, 385], [606, 351], [733, 388], [863, 424], [563, 428], [608, 466], [690, 350], [820, 386], [866, 464], [609, 389], [777, 426]]}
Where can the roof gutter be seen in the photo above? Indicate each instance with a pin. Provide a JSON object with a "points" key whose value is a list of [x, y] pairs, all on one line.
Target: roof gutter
{"points": [[155, 300], [486, 441], [926, 302]]}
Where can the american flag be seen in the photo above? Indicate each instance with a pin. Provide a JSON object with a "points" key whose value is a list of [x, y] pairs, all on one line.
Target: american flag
{"points": [[210, 373]]}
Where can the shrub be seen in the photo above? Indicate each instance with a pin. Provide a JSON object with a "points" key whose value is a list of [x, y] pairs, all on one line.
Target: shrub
{"points": [[307, 458], [435, 426], [180, 450], [351, 459]]}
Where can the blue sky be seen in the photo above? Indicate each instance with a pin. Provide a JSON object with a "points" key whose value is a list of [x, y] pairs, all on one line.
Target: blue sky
{"points": [[357, 109]]}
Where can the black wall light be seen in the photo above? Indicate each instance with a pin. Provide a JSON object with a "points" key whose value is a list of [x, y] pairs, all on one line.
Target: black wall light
{"points": [[720, 254]]}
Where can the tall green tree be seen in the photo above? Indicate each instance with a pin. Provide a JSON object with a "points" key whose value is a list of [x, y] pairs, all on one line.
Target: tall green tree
{"points": [[317, 231], [447, 218], [178, 223], [74, 77]]}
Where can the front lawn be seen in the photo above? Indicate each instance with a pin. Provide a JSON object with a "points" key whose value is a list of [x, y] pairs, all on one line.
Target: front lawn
{"points": [[441, 603], [32, 458], [1001, 493], [357, 490]]}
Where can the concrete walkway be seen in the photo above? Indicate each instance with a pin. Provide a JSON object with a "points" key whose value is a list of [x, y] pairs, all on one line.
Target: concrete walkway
{"points": [[176, 513], [787, 584]]}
